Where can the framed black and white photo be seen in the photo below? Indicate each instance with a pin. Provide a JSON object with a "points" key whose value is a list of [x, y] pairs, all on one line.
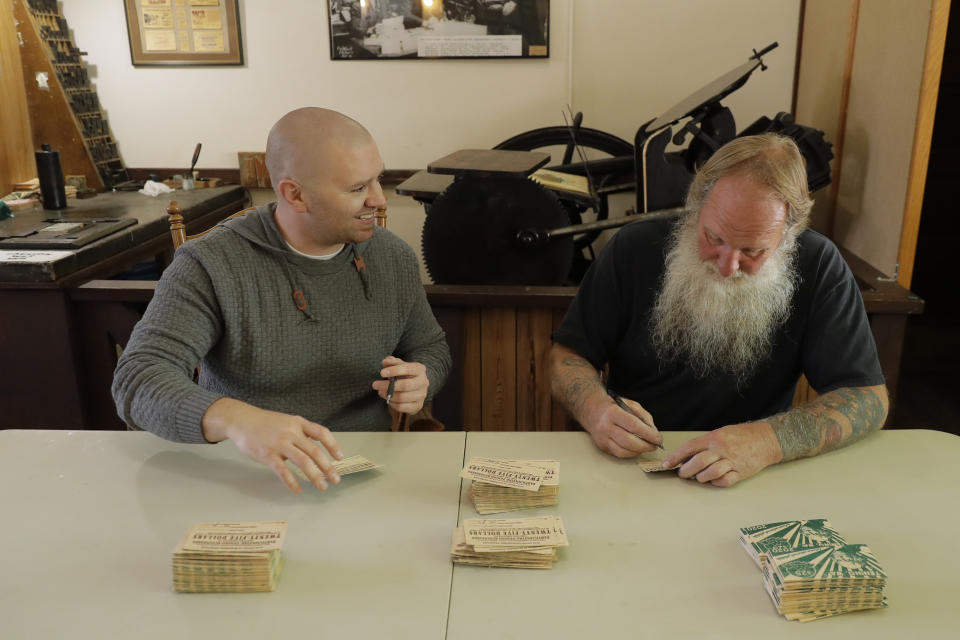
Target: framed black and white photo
{"points": [[411, 29]]}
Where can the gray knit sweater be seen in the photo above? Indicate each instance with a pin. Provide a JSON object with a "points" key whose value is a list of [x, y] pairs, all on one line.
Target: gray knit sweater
{"points": [[232, 300]]}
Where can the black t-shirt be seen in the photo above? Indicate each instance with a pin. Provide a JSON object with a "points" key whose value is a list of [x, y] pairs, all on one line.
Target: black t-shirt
{"points": [[827, 336]]}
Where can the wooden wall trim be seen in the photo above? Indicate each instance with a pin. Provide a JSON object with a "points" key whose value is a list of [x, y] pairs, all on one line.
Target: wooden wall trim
{"points": [[852, 21], [922, 138]]}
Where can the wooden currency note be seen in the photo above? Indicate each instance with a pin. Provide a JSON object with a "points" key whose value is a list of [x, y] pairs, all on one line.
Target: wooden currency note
{"points": [[543, 531], [353, 464], [220, 537], [516, 474], [653, 465], [779, 537]]}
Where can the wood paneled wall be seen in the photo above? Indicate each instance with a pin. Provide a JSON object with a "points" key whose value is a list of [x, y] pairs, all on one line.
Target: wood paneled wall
{"points": [[500, 338], [506, 384]]}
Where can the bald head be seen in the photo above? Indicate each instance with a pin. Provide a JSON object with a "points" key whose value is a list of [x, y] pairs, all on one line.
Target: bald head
{"points": [[303, 143]]}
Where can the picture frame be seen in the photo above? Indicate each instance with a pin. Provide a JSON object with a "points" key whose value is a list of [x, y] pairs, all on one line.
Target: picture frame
{"points": [[184, 32], [430, 29]]}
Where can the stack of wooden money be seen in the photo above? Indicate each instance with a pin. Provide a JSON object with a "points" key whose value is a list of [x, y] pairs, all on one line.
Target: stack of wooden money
{"points": [[521, 543], [229, 557], [353, 464], [760, 539], [508, 485], [810, 572]]}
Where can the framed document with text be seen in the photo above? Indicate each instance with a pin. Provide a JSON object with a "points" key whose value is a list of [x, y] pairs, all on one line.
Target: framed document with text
{"points": [[414, 29], [184, 32]]}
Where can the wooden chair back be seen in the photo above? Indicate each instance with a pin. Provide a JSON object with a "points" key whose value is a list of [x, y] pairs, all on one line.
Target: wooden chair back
{"points": [[178, 231], [421, 421]]}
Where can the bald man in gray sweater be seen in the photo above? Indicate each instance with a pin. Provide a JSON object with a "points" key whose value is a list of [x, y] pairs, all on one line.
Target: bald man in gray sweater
{"points": [[299, 313]]}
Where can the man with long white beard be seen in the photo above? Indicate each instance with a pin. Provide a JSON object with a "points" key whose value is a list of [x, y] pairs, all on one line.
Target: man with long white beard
{"points": [[707, 322]]}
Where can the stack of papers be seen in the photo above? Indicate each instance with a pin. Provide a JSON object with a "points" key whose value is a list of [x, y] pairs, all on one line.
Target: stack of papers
{"points": [[236, 557], [353, 464], [810, 572], [508, 485], [761, 539], [520, 543]]}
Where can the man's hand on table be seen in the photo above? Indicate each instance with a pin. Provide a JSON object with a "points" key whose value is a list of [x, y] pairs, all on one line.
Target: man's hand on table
{"points": [[727, 455], [410, 389], [621, 433], [270, 438]]}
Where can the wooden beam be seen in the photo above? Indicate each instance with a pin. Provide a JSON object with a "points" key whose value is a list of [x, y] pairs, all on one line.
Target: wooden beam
{"points": [[923, 133], [16, 144], [852, 21]]}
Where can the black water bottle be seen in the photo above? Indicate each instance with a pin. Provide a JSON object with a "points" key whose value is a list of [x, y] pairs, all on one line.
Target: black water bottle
{"points": [[51, 178]]}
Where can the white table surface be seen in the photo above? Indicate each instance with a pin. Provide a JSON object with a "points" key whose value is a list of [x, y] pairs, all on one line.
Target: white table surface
{"points": [[654, 556], [89, 519]]}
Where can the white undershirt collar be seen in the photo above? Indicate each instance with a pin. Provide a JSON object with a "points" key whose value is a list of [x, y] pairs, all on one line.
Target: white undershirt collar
{"points": [[326, 256]]}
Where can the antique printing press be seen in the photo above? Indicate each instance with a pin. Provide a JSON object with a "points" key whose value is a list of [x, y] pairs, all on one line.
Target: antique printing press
{"points": [[496, 216]]}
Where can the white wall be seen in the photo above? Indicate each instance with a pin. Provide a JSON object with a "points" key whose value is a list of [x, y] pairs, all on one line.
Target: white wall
{"points": [[820, 85], [417, 110], [632, 59], [881, 124]]}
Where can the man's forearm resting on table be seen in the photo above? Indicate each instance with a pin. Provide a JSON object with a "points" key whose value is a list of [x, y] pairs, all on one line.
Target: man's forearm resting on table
{"points": [[833, 420]]}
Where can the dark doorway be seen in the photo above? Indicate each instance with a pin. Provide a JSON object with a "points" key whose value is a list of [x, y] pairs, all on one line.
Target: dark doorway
{"points": [[929, 390]]}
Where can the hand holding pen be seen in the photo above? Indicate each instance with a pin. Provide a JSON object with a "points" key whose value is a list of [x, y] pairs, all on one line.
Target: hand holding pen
{"points": [[648, 431], [390, 389], [404, 385]]}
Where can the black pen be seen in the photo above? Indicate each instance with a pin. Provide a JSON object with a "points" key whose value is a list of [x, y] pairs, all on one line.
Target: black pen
{"points": [[393, 381], [623, 405]]}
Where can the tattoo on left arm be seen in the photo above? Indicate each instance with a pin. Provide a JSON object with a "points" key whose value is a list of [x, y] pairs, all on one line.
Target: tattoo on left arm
{"points": [[833, 420]]}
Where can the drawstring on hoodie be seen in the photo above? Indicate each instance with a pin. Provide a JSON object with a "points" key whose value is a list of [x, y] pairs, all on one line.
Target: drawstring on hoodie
{"points": [[298, 298], [258, 228], [362, 270], [301, 300]]}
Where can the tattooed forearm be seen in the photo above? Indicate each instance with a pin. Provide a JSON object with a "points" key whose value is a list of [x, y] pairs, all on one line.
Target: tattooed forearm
{"points": [[833, 420], [573, 380]]}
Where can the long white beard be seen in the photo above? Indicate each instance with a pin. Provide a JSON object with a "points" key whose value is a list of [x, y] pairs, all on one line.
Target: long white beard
{"points": [[718, 324]]}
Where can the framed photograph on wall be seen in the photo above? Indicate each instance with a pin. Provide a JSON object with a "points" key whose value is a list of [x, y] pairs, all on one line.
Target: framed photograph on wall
{"points": [[184, 32], [414, 29]]}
